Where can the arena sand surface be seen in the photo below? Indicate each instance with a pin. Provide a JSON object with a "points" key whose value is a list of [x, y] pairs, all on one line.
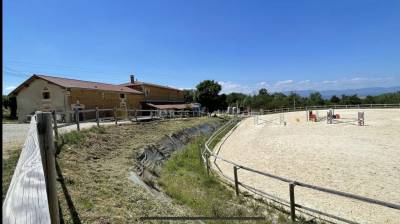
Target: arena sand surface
{"points": [[363, 160]]}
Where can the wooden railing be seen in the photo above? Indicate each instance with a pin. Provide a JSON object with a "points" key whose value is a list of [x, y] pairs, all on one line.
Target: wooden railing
{"points": [[112, 115], [32, 195]]}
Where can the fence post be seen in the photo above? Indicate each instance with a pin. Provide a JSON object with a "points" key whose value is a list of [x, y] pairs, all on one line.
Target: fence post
{"points": [[292, 202], [47, 151], [53, 113], [208, 164], [97, 117], [115, 115], [77, 119], [236, 180], [136, 115]]}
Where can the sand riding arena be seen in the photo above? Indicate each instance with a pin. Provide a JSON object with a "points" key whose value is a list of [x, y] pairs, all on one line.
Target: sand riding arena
{"points": [[342, 155]]}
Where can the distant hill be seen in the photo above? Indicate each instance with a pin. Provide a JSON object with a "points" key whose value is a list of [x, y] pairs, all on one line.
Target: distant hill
{"points": [[373, 91]]}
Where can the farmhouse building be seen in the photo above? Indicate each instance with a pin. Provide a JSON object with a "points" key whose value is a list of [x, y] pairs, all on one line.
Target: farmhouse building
{"points": [[48, 93], [158, 96]]}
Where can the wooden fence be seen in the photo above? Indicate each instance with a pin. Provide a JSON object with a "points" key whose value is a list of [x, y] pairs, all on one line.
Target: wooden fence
{"points": [[120, 115], [208, 152], [32, 195]]}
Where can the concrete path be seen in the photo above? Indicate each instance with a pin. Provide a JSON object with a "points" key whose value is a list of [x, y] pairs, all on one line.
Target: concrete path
{"points": [[14, 133]]}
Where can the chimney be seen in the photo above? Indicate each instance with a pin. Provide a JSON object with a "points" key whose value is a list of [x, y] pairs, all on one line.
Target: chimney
{"points": [[132, 79]]}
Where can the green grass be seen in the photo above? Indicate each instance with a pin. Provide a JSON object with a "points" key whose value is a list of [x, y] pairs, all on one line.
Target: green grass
{"points": [[221, 135], [185, 179], [8, 167], [96, 165], [78, 137], [6, 119]]}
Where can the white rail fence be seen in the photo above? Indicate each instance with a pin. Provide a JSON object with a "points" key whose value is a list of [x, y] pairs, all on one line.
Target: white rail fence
{"points": [[333, 106], [209, 152], [32, 195]]}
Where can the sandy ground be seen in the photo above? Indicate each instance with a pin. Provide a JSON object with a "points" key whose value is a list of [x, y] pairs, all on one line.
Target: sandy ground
{"points": [[363, 160]]}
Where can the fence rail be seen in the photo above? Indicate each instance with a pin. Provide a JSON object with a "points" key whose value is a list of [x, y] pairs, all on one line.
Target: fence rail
{"points": [[333, 106], [32, 196], [116, 115], [208, 152]]}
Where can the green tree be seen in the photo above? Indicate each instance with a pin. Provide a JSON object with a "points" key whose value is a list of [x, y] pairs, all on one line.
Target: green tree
{"points": [[263, 92], [315, 98], [208, 97], [233, 99], [334, 99], [6, 102], [189, 95]]}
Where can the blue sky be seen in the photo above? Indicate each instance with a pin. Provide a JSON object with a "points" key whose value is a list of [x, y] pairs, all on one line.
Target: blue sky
{"points": [[244, 45]]}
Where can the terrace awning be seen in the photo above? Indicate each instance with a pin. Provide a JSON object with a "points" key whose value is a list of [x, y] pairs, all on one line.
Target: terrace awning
{"points": [[171, 106]]}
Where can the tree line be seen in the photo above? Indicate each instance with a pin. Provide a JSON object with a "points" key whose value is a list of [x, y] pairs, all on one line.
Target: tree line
{"points": [[207, 93]]}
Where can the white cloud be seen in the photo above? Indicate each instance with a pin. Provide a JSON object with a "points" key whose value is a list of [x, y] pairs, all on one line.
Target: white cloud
{"points": [[304, 82], [8, 89], [229, 87], [291, 85], [283, 83]]}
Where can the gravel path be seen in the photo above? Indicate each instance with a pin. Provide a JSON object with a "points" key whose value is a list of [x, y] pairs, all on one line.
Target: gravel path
{"points": [[14, 133], [363, 160]]}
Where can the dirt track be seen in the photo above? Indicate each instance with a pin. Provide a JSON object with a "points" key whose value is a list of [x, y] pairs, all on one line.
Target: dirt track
{"points": [[360, 160]]}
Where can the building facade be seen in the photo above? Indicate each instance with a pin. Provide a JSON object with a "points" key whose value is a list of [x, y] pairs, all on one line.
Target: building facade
{"points": [[48, 93], [156, 94]]}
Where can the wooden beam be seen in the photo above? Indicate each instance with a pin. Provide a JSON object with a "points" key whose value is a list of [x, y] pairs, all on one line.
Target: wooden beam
{"points": [[48, 154]]}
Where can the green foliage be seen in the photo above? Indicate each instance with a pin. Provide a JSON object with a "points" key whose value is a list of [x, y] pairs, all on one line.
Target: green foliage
{"points": [[208, 90], [315, 98], [207, 94], [78, 137], [8, 168], [264, 100], [238, 99], [10, 104], [185, 179], [6, 101], [334, 99], [189, 95]]}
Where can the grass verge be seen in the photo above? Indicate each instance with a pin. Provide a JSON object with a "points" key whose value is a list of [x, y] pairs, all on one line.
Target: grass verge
{"points": [[95, 167], [8, 167], [185, 179]]}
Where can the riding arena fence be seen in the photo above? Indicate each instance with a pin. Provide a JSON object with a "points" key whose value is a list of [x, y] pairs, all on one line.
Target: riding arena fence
{"points": [[208, 152]]}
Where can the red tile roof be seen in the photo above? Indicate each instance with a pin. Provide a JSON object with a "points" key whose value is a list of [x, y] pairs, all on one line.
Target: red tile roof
{"points": [[74, 83], [138, 83]]}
